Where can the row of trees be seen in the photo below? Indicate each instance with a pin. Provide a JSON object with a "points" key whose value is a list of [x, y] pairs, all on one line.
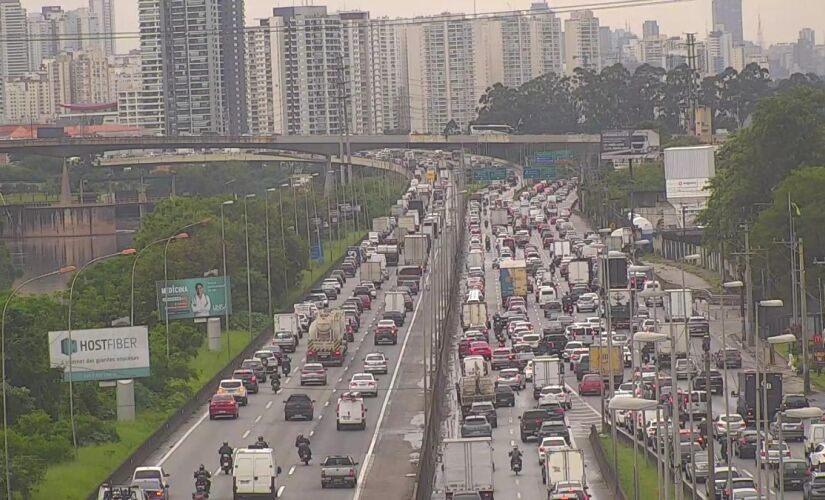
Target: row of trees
{"points": [[38, 399], [615, 98]]}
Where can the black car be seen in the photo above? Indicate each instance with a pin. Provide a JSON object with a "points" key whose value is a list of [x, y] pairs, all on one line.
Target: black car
{"points": [[504, 396], [396, 316], [554, 428], [530, 422], [716, 382], [299, 406], [745, 445], [728, 356], [250, 381], [815, 488], [796, 474], [793, 401]]}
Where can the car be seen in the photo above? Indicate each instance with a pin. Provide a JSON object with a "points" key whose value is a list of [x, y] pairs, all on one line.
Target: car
{"points": [[386, 332], [685, 368], [528, 371], [486, 409], [768, 455], [737, 483], [815, 488], [550, 444], [724, 425], [480, 348], [364, 383], [154, 473], [257, 366], [153, 488], [792, 429], [299, 405], [591, 384], [331, 288], [698, 326], [504, 396], [512, 378], [745, 444], [371, 287], [714, 490], [396, 316], [817, 456], [502, 357], [476, 426], [554, 428], [587, 303], [555, 394], [236, 388], [313, 373], [375, 362], [125, 492], [628, 388], [530, 422], [717, 385], [286, 340], [250, 381], [794, 401], [796, 473], [698, 462], [729, 356]]}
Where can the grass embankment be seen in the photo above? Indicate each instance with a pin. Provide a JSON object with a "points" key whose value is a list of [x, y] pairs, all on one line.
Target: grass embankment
{"points": [[817, 378], [712, 278], [74, 480], [648, 478]]}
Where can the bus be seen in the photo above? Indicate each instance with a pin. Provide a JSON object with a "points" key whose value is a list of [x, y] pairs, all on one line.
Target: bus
{"points": [[491, 129]]}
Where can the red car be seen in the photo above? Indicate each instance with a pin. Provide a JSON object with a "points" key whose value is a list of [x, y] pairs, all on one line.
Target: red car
{"points": [[464, 347], [223, 405], [591, 385], [366, 300], [480, 348]]}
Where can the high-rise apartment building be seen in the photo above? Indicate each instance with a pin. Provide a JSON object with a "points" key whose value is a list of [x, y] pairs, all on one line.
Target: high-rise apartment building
{"points": [[260, 92], [14, 52], [91, 78], [650, 29], [720, 54], [530, 46], [233, 64], [727, 16], [126, 85], [105, 12], [29, 99], [355, 46], [653, 50], [581, 42], [389, 88], [151, 108]]}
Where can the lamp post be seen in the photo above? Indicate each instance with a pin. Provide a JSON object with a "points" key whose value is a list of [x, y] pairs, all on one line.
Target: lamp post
{"points": [[268, 253], [729, 285], [248, 267], [775, 340], [225, 283], [127, 251], [283, 236], [655, 339], [6, 458], [760, 385]]}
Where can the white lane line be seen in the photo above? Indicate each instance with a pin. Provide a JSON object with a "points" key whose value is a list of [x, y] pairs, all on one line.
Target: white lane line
{"points": [[258, 419], [281, 491], [326, 403], [321, 417], [291, 470], [245, 434], [279, 391], [340, 379], [181, 440], [269, 405], [295, 369], [311, 433], [518, 494], [286, 380], [346, 368], [368, 457]]}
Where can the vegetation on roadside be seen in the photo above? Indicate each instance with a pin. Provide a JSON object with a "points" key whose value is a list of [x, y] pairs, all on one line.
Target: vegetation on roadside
{"points": [[649, 488]]}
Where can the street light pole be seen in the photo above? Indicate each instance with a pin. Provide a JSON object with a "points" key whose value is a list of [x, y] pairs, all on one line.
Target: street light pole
{"points": [[225, 283], [268, 254], [248, 268], [283, 237], [5, 384], [127, 251], [735, 285], [134, 266]]}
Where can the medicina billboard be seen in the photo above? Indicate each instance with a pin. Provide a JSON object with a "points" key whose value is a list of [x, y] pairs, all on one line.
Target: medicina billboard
{"points": [[101, 353], [194, 298]]}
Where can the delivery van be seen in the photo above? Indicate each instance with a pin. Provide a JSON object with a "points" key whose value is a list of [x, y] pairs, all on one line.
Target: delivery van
{"points": [[255, 474], [351, 411]]}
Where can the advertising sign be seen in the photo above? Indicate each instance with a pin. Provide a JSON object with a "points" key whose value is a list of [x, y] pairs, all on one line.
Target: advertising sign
{"points": [[686, 188], [195, 297], [616, 141], [101, 353]]}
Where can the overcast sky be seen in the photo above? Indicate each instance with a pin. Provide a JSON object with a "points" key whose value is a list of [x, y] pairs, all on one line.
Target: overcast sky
{"points": [[781, 19]]}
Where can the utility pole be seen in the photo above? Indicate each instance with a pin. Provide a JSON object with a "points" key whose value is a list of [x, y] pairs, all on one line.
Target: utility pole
{"points": [[748, 318], [794, 276], [803, 304], [709, 416], [691, 55]]}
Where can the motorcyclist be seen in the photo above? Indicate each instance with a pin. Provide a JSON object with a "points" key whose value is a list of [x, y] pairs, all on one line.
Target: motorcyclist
{"points": [[286, 365], [515, 456], [275, 379], [260, 443], [302, 443], [203, 475], [225, 450]]}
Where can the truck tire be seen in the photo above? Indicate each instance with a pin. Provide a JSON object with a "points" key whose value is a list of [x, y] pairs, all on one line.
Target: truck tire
{"points": [[337, 426], [523, 438]]}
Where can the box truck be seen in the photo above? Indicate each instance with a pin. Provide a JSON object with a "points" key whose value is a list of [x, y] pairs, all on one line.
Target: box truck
{"points": [[678, 304], [547, 370], [513, 279], [467, 466], [579, 272], [416, 250], [499, 217]]}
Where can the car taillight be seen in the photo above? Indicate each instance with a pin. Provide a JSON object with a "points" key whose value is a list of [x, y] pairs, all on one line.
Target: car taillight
{"points": [[541, 449], [807, 472], [254, 379], [310, 353], [351, 472], [338, 353]]}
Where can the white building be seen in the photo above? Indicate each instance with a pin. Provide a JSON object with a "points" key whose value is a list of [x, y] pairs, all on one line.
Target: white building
{"points": [[29, 99], [105, 12], [151, 105], [581, 42], [719, 47], [653, 50], [91, 78], [530, 46], [260, 95], [14, 51], [126, 85]]}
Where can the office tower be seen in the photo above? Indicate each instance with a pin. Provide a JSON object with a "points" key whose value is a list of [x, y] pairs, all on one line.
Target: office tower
{"points": [[233, 64], [78, 29], [14, 51], [105, 12], [727, 14], [653, 50], [719, 52], [581, 41], [804, 54], [650, 29]]}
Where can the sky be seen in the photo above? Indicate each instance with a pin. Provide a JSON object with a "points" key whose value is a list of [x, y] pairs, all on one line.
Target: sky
{"points": [[781, 19]]}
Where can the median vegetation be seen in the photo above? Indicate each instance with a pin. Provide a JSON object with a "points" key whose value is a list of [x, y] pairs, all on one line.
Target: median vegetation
{"points": [[43, 461]]}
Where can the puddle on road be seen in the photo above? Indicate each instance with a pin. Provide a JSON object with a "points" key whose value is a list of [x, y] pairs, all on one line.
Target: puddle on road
{"points": [[415, 437]]}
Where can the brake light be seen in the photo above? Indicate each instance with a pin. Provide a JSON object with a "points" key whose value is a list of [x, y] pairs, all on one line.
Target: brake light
{"points": [[541, 449], [338, 353], [807, 472], [254, 379], [310, 353]]}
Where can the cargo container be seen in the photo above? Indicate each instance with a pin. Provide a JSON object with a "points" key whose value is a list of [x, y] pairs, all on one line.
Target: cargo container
{"points": [[513, 278], [468, 468]]}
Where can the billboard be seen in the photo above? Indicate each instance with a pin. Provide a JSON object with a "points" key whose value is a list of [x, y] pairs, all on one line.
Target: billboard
{"points": [[687, 188], [101, 353], [195, 297], [616, 141], [629, 144]]}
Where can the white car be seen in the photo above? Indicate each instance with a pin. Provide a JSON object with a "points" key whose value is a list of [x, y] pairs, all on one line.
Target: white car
{"points": [[528, 371], [555, 394], [570, 347], [364, 383], [731, 424], [375, 362], [594, 321], [511, 377], [550, 445], [371, 286], [625, 388]]}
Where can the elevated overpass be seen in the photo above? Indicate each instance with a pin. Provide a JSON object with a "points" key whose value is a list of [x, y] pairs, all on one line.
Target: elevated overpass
{"points": [[510, 147]]}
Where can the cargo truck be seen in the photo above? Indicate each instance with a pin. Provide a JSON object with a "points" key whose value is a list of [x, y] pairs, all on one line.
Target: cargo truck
{"points": [[475, 259], [619, 302], [474, 315], [679, 340], [467, 467], [564, 466], [287, 322], [547, 370], [513, 279], [371, 271], [408, 221], [499, 217], [390, 253], [416, 250], [579, 272], [381, 225], [608, 363], [678, 305], [561, 248], [617, 270], [394, 301], [746, 398], [474, 389], [327, 344], [418, 206]]}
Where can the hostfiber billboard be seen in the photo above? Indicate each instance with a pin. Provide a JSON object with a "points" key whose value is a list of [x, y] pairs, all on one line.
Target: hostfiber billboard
{"points": [[194, 298], [100, 353]]}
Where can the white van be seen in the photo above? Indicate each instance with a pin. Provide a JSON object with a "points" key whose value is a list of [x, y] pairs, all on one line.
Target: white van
{"points": [[255, 474], [814, 436], [474, 365], [547, 294], [351, 411]]}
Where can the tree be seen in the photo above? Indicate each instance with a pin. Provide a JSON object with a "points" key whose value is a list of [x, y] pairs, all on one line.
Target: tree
{"points": [[451, 128]]}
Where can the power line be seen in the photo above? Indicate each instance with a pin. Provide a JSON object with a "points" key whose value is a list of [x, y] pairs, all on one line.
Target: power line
{"points": [[356, 25]]}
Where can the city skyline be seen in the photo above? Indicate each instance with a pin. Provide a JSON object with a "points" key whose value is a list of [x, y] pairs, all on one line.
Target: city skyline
{"points": [[779, 24]]}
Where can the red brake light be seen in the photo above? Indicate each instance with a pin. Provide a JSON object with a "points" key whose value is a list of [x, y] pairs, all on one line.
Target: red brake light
{"points": [[254, 379], [337, 353]]}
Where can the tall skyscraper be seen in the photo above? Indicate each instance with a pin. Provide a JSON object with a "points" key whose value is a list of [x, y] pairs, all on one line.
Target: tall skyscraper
{"points": [[105, 12], [261, 94], [233, 64], [650, 29], [581, 42], [719, 52], [151, 109], [530, 46], [389, 88], [355, 47], [727, 16], [14, 51]]}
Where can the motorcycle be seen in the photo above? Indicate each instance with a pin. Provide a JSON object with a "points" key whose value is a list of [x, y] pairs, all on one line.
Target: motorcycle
{"points": [[304, 454], [286, 366], [226, 463], [201, 490], [276, 384], [515, 466]]}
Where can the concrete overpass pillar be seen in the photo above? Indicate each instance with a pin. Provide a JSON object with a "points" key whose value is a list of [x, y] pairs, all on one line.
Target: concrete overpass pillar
{"points": [[329, 178], [349, 172], [65, 186], [343, 169]]}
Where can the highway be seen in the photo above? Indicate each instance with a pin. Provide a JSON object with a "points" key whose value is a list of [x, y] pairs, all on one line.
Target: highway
{"points": [[197, 442]]}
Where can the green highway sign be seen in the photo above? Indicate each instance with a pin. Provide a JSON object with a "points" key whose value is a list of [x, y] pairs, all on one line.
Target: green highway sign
{"points": [[542, 173], [549, 158], [489, 174]]}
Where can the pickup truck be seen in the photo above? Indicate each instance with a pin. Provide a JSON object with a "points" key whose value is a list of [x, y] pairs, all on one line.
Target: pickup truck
{"points": [[339, 470]]}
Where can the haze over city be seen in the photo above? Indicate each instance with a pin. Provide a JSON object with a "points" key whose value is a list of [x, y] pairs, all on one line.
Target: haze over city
{"points": [[781, 20]]}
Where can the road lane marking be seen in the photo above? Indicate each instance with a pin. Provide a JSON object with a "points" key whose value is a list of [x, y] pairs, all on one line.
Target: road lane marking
{"points": [[291, 471], [281, 491], [321, 417], [286, 380], [182, 439], [365, 467], [269, 405], [326, 403], [257, 419], [245, 434], [311, 433]]}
